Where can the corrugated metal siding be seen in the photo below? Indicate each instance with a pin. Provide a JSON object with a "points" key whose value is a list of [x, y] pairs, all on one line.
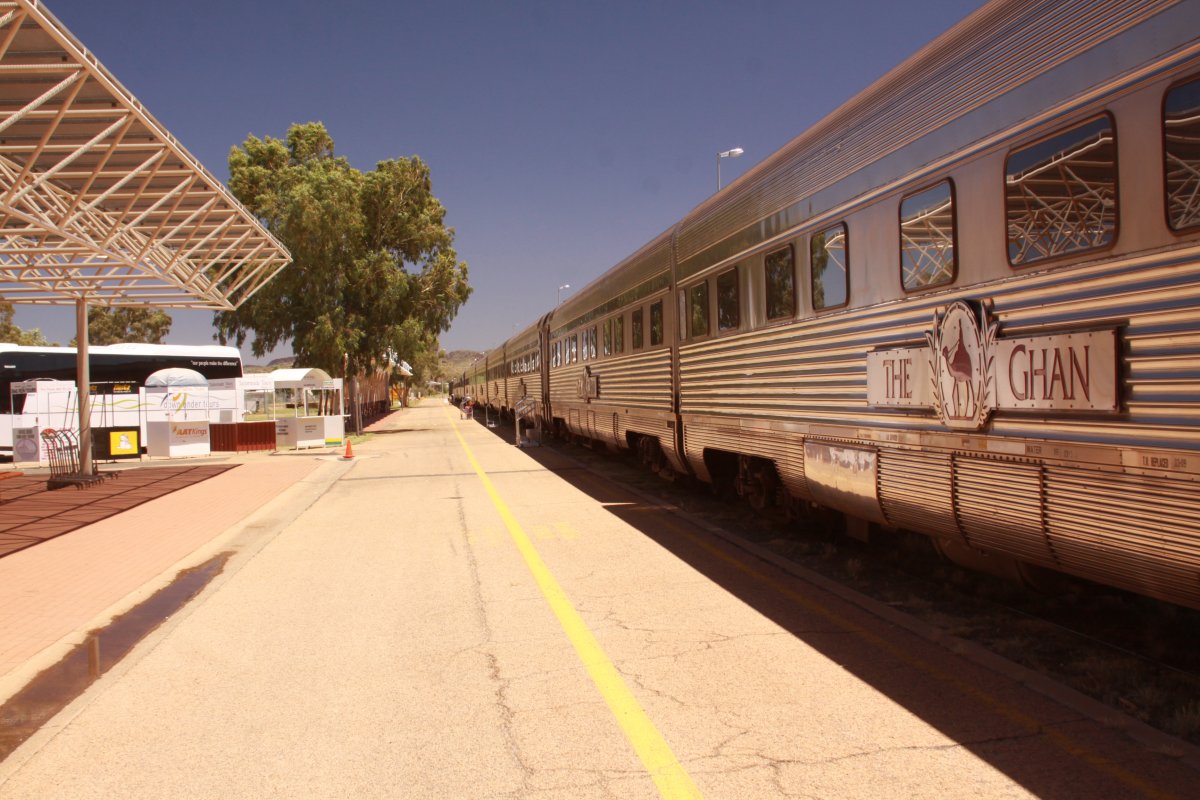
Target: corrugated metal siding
{"points": [[1135, 532], [640, 381], [815, 370], [999, 507], [915, 491]]}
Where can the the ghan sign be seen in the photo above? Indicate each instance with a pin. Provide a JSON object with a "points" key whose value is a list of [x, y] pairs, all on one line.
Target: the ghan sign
{"points": [[966, 372]]}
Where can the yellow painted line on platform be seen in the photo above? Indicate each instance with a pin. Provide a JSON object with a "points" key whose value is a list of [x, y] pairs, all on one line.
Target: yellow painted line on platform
{"points": [[656, 755]]}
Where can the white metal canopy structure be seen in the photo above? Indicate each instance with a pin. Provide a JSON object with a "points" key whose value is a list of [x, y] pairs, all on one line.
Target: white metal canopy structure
{"points": [[97, 200], [99, 204]]}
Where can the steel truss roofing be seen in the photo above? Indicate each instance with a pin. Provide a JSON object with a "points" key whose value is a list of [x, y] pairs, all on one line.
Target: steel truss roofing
{"points": [[98, 201]]}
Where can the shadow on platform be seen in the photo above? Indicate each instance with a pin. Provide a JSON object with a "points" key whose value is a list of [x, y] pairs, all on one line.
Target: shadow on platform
{"points": [[30, 514]]}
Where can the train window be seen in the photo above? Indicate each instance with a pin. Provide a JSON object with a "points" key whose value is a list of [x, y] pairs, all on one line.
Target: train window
{"points": [[728, 311], [829, 260], [698, 310], [636, 324], [1061, 194], [1181, 150], [607, 343], [781, 284], [618, 325], [657, 328], [592, 341], [927, 253], [573, 349]]}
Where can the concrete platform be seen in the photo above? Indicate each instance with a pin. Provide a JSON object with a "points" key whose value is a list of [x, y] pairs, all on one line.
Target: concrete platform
{"points": [[447, 615]]}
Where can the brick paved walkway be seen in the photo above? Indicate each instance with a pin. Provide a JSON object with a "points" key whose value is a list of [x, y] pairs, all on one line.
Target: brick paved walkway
{"points": [[52, 593], [29, 514]]}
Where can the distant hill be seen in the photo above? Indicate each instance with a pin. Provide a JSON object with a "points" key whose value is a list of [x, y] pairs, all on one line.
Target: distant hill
{"points": [[271, 366], [455, 363]]}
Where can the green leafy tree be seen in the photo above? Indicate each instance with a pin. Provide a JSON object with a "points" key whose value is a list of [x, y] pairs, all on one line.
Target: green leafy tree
{"points": [[9, 332], [117, 325], [374, 273]]}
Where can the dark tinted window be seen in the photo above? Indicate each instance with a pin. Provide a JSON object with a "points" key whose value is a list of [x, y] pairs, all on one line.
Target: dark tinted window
{"points": [[728, 315], [1181, 150], [829, 256], [637, 329], [618, 324], [698, 310], [927, 237], [781, 284], [607, 344], [1061, 194], [657, 328]]}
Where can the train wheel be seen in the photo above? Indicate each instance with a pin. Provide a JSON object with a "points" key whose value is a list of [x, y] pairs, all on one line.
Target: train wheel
{"points": [[757, 482]]}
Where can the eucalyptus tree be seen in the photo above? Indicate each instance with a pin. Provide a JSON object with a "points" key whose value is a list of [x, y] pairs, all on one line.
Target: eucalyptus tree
{"points": [[121, 324], [374, 275], [12, 334]]}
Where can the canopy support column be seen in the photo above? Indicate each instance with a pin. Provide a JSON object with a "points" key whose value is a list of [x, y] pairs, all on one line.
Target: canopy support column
{"points": [[83, 388]]}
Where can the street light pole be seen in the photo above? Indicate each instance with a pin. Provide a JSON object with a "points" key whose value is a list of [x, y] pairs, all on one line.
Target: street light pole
{"points": [[564, 286], [734, 153]]}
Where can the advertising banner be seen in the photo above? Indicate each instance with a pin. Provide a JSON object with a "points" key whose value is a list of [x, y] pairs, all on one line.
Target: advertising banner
{"points": [[27, 445]]}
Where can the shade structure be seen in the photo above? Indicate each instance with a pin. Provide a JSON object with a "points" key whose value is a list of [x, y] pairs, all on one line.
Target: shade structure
{"points": [[300, 378], [98, 201]]}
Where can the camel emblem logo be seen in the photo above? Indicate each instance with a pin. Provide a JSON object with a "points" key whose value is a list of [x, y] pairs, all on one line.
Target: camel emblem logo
{"points": [[962, 347]]}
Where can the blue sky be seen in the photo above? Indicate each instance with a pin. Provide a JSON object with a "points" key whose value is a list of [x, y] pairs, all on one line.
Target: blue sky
{"points": [[561, 135]]}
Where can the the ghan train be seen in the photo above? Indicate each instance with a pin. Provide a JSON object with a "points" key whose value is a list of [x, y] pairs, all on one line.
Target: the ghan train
{"points": [[967, 303]]}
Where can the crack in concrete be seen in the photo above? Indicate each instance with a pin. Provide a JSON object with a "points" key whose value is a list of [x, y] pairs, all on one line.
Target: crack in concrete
{"points": [[501, 684]]}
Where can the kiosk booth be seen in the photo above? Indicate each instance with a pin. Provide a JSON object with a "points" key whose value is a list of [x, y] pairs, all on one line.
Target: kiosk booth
{"points": [[309, 406], [243, 417], [177, 413]]}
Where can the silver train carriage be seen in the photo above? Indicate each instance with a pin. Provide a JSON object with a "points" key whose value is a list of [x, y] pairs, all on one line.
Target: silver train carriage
{"points": [[967, 303]]}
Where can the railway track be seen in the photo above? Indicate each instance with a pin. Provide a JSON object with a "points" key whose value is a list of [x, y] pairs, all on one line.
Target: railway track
{"points": [[1135, 654]]}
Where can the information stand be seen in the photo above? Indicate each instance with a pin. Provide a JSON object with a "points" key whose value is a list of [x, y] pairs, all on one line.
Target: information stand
{"points": [[116, 410], [177, 414], [309, 403]]}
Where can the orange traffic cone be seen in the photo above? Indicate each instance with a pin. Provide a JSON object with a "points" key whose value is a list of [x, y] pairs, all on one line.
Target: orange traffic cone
{"points": [[349, 451]]}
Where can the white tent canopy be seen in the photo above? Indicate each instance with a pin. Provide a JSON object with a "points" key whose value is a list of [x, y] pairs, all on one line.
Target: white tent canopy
{"points": [[175, 377], [301, 378]]}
